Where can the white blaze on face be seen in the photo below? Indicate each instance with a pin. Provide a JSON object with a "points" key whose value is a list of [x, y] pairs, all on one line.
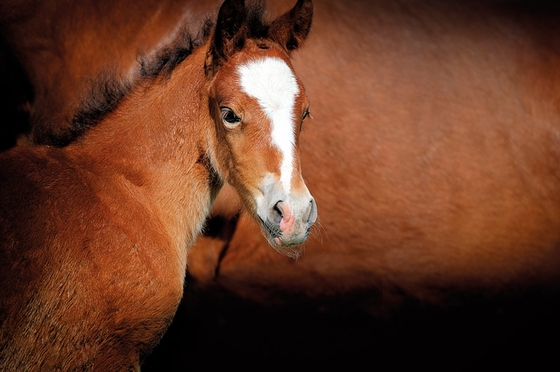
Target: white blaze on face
{"points": [[272, 83]]}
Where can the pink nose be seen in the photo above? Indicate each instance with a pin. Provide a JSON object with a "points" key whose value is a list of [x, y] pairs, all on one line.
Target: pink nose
{"points": [[288, 220]]}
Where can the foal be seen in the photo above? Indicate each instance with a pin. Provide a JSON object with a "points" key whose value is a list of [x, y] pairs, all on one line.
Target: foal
{"points": [[95, 233]]}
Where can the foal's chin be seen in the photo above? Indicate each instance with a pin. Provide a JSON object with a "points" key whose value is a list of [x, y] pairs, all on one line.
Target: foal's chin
{"points": [[288, 246], [286, 243]]}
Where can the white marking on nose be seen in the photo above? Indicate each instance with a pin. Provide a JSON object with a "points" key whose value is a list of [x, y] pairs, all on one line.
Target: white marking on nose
{"points": [[273, 84]]}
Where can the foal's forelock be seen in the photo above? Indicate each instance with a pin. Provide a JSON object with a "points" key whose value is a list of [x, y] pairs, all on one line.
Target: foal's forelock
{"points": [[272, 83]]}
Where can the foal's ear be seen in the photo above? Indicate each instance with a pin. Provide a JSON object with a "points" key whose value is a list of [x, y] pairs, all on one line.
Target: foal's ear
{"points": [[291, 29], [229, 35]]}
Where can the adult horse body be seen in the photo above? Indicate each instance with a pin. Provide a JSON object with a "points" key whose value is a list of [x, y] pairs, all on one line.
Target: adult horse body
{"points": [[436, 163], [94, 234], [440, 165]]}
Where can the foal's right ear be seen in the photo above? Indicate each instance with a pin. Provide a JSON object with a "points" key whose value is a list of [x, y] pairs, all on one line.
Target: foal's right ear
{"points": [[229, 35], [291, 29]]}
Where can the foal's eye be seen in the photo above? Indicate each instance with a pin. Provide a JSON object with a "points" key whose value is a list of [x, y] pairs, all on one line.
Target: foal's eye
{"points": [[305, 115], [229, 117]]}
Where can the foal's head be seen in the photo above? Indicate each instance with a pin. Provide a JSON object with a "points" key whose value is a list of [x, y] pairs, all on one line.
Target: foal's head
{"points": [[258, 106]]}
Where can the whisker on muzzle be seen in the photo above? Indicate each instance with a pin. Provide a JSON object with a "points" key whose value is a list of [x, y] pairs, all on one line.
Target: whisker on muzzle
{"points": [[271, 228]]}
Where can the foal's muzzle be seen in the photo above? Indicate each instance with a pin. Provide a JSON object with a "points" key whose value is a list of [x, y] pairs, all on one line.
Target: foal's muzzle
{"points": [[287, 221]]}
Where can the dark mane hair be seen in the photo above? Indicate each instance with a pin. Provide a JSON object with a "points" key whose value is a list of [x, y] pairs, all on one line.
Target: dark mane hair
{"points": [[107, 90]]}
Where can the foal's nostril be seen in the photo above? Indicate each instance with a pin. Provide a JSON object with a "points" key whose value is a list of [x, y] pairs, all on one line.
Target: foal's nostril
{"points": [[277, 213], [312, 217]]}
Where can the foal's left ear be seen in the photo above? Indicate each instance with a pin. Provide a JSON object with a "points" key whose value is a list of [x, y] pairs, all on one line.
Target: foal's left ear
{"points": [[291, 29], [228, 37]]}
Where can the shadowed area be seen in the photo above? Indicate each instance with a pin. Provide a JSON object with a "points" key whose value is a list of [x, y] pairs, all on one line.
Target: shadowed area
{"points": [[15, 92], [214, 329]]}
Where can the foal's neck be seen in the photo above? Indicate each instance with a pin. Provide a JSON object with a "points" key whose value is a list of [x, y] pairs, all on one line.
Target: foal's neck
{"points": [[156, 144]]}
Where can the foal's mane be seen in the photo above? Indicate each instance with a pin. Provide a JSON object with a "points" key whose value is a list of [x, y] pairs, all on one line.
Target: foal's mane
{"points": [[107, 91]]}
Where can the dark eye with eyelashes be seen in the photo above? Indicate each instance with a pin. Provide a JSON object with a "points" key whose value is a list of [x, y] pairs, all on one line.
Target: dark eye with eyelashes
{"points": [[229, 117], [305, 115]]}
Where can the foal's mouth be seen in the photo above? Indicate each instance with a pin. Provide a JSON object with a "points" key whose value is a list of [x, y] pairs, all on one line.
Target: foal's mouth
{"points": [[272, 229], [274, 235]]}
